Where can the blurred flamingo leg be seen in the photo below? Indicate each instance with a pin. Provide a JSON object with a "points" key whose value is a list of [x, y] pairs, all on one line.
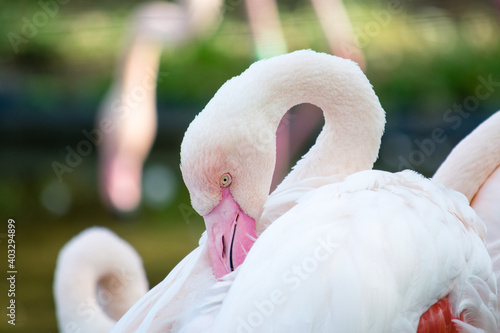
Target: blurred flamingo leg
{"points": [[130, 106], [266, 29], [338, 30], [131, 109]]}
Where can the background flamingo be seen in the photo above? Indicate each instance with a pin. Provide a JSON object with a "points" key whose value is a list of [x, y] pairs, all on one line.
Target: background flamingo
{"points": [[130, 104], [129, 110], [98, 278]]}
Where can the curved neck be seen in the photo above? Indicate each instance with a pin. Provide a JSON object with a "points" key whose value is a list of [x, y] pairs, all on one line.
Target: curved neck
{"points": [[98, 277], [354, 119], [236, 132], [473, 160]]}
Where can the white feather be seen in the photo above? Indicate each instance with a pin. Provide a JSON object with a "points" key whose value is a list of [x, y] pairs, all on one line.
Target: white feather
{"points": [[370, 253]]}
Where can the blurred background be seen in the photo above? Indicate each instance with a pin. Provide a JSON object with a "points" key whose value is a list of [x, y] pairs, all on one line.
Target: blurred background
{"points": [[435, 66]]}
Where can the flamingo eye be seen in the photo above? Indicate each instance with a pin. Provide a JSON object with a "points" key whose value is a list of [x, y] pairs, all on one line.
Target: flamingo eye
{"points": [[225, 180]]}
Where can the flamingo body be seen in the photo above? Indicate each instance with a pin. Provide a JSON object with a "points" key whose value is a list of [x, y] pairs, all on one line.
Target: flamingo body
{"points": [[370, 253], [159, 309]]}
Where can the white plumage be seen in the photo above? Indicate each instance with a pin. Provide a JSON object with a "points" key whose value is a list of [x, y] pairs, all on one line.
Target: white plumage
{"points": [[370, 253], [340, 248], [235, 133]]}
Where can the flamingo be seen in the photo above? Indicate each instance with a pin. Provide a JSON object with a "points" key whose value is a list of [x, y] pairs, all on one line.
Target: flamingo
{"points": [[199, 267], [127, 116], [352, 249], [269, 41], [410, 260], [98, 277], [129, 107], [195, 269], [473, 168]]}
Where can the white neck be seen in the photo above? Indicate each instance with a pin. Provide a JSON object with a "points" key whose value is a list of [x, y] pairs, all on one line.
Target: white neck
{"points": [[473, 159], [236, 131], [354, 118], [98, 278]]}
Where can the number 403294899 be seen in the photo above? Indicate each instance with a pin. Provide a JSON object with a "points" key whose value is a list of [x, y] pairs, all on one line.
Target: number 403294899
{"points": [[11, 248]]}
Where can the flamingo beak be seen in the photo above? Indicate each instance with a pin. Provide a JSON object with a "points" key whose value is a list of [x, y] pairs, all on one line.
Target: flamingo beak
{"points": [[231, 234]]}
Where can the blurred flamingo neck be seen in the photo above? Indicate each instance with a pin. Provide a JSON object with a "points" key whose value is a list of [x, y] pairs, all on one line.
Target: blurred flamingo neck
{"points": [[354, 118], [140, 68], [473, 160]]}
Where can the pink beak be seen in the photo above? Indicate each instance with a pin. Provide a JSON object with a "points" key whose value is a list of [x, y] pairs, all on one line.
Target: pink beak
{"points": [[231, 234]]}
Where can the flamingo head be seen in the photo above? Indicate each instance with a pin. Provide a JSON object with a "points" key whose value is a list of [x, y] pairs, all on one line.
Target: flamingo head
{"points": [[227, 170]]}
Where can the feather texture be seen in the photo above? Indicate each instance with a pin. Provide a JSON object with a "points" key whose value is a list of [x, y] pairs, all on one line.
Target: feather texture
{"points": [[371, 253]]}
